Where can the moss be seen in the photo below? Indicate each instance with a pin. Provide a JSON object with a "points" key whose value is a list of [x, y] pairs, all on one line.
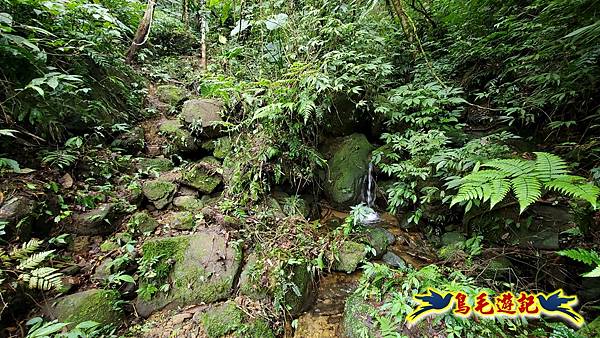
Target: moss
{"points": [[350, 255], [222, 320], [170, 94], [203, 290], [159, 192], [357, 316], [188, 203], [166, 248], [183, 220], [201, 178], [157, 164], [302, 278], [379, 239], [256, 329], [108, 245], [143, 222], [96, 305], [222, 147]]}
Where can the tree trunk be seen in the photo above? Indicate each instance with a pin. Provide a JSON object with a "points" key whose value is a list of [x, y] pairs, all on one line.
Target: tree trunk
{"points": [[142, 33]]}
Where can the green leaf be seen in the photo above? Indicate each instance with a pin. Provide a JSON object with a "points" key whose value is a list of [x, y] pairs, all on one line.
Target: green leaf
{"points": [[528, 190]]}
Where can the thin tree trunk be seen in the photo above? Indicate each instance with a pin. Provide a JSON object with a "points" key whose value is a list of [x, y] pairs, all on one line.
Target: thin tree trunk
{"points": [[142, 33], [203, 30]]}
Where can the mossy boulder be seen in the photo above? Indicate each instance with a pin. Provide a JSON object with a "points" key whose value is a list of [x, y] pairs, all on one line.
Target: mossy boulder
{"points": [[202, 117], [357, 318], [349, 256], [379, 239], [182, 220], [204, 268], [453, 237], [348, 164], [182, 141], [222, 319], [91, 305], [131, 141], [159, 192], [249, 283], [302, 278], [143, 222], [188, 203], [98, 221], [158, 164], [170, 94], [204, 175], [222, 147]]}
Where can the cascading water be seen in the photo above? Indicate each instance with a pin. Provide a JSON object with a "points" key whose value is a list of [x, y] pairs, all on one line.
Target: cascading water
{"points": [[369, 192]]}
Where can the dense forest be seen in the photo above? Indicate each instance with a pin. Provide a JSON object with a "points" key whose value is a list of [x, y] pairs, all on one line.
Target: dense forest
{"points": [[302, 168]]}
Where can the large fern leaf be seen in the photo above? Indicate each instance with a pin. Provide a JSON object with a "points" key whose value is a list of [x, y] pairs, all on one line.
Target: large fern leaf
{"points": [[43, 279], [528, 190], [593, 273], [466, 192], [584, 256], [26, 249], [512, 167], [573, 186], [34, 260], [498, 190], [549, 166]]}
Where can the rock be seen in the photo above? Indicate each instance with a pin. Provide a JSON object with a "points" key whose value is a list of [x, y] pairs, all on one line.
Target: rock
{"points": [[91, 305], [203, 175], [108, 245], [170, 94], [158, 164], [202, 117], [188, 203], [302, 278], [292, 205], [247, 284], [95, 222], [452, 237], [102, 271], [142, 222], [348, 164], [222, 319], [379, 239], [258, 328], [350, 255], [205, 267], [222, 147], [357, 320], [393, 260], [182, 141], [183, 220], [498, 266], [18, 213], [159, 192], [131, 141]]}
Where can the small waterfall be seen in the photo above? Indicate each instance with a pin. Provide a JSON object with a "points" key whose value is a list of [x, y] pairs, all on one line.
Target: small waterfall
{"points": [[369, 193]]}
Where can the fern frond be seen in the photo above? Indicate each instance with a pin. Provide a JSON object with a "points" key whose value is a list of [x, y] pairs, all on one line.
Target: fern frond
{"points": [[528, 190], [593, 273], [498, 190], [568, 185], [512, 167], [34, 260], [26, 249], [485, 176], [467, 192], [43, 279], [549, 166], [584, 256]]}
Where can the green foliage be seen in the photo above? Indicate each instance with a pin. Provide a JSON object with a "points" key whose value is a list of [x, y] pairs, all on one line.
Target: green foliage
{"points": [[588, 257], [25, 263], [41, 329], [525, 178]]}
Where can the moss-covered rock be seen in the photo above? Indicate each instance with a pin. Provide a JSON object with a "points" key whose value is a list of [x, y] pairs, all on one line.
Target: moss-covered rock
{"points": [[98, 221], [379, 239], [452, 237], [257, 328], [202, 116], [182, 141], [222, 319], [188, 203], [302, 278], [249, 283], [357, 317], [348, 164], [204, 175], [95, 305], [158, 164], [143, 222], [159, 192], [349, 256], [222, 147], [170, 94], [182, 220], [131, 141], [204, 268]]}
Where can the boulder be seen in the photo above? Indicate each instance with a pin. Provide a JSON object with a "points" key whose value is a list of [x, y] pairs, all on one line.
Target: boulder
{"points": [[170, 94], [349, 256], [348, 164], [142, 222], [357, 320], [248, 285], [182, 141], [95, 222], [131, 141], [379, 239], [182, 220], [205, 267], [188, 203], [453, 237], [159, 192], [222, 147], [158, 164], [18, 213], [393, 260], [222, 319], [202, 117], [203, 175], [91, 305], [302, 279]]}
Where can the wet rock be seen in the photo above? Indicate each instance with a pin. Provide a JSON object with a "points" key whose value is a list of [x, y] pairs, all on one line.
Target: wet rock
{"points": [[302, 278], [203, 175], [170, 94], [159, 192], [158, 164], [18, 213], [142, 222], [350, 255], [205, 267], [379, 239], [348, 163], [393, 260], [357, 318], [183, 220], [202, 117], [98, 221], [182, 141], [131, 141], [188, 203], [91, 305], [453, 237], [222, 319]]}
